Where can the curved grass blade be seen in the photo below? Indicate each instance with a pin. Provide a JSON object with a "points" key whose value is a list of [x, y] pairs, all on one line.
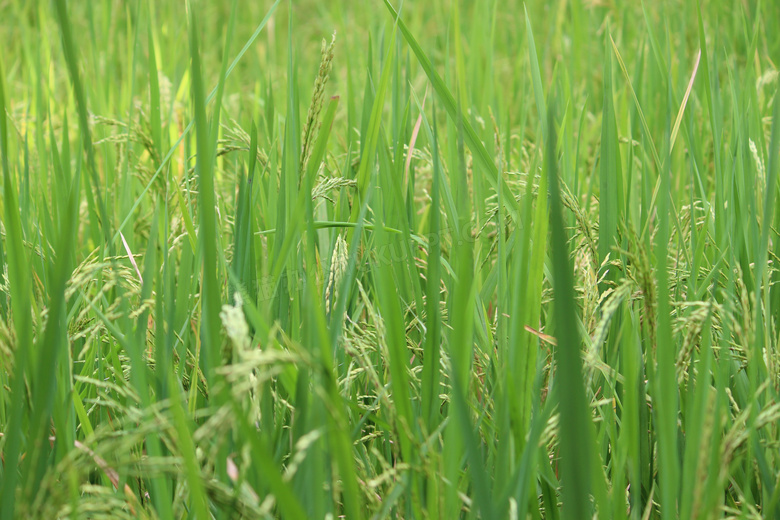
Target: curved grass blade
{"points": [[210, 292], [576, 434], [21, 295]]}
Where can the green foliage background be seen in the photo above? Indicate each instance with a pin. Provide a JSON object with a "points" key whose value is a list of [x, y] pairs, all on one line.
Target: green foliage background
{"points": [[324, 259]]}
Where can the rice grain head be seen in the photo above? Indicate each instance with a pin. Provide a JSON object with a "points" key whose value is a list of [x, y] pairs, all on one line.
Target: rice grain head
{"points": [[233, 320], [338, 264], [312, 126]]}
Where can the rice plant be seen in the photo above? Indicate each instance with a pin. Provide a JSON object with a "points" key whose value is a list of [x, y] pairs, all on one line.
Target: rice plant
{"points": [[384, 259]]}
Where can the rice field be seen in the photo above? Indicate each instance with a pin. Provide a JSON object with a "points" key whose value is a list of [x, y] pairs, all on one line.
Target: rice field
{"points": [[408, 260]]}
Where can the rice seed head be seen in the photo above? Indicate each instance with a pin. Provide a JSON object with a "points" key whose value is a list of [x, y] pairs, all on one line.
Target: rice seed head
{"points": [[330, 183], [338, 264], [613, 299], [760, 174], [233, 320], [312, 126]]}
